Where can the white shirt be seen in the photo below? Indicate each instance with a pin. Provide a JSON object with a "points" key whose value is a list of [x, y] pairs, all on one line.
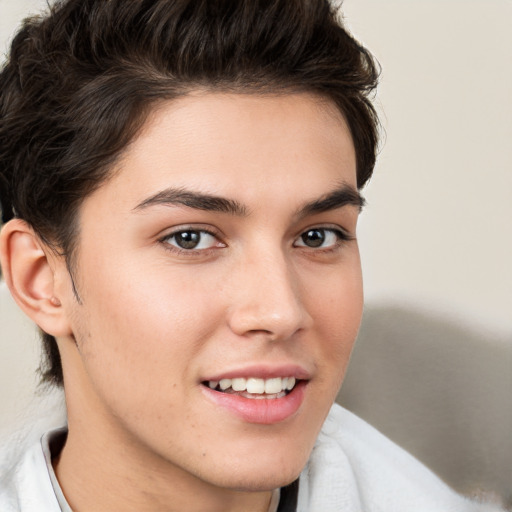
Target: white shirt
{"points": [[352, 468]]}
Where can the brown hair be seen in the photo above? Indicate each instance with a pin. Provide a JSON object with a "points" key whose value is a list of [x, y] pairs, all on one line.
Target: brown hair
{"points": [[79, 83]]}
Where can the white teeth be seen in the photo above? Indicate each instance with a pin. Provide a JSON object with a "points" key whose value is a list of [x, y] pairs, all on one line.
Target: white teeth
{"points": [[239, 384], [255, 386], [273, 385], [225, 384]]}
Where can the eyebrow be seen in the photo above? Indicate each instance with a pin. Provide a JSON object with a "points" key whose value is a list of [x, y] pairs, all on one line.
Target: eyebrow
{"points": [[343, 196], [196, 200], [346, 195]]}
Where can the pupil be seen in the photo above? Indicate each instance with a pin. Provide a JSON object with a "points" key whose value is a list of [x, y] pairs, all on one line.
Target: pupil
{"points": [[314, 237], [187, 239]]}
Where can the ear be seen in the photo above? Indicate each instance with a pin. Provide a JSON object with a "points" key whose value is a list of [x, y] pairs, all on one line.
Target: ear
{"points": [[30, 275]]}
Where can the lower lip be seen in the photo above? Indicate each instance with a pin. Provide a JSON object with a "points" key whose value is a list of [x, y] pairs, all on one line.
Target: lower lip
{"points": [[260, 411]]}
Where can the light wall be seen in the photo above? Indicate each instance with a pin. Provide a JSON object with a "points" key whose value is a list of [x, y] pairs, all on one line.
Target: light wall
{"points": [[438, 229]]}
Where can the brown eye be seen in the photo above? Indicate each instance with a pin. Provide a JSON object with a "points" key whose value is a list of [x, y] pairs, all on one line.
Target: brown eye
{"points": [[321, 238], [190, 239], [313, 237], [187, 239]]}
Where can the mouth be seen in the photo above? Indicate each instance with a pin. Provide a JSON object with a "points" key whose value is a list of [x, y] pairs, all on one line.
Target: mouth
{"points": [[254, 388], [257, 400]]}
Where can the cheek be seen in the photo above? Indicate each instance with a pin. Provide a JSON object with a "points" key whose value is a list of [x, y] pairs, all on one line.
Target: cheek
{"points": [[140, 335], [336, 305], [155, 305], [336, 300]]}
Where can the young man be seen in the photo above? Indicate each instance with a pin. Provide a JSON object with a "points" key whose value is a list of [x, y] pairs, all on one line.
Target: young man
{"points": [[180, 187]]}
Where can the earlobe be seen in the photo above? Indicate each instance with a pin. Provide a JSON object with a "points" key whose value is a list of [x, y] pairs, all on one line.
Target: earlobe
{"points": [[31, 278]]}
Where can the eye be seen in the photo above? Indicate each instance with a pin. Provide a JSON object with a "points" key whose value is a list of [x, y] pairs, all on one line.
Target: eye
{"points": [[321, 238], [192, 239]]}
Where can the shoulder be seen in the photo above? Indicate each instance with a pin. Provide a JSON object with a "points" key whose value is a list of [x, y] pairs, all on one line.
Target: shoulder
{"points": [[353, 467], [25, 484]]}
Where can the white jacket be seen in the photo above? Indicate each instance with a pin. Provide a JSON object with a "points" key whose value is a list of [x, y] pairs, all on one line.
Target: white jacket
{"points": [[353, 468]]}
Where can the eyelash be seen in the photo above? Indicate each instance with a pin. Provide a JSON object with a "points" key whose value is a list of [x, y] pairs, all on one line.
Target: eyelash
{"points": [[341, 235], [190, 252]]}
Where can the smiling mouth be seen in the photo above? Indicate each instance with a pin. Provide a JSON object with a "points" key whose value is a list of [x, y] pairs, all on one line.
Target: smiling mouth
{"points": [[253, 387]]}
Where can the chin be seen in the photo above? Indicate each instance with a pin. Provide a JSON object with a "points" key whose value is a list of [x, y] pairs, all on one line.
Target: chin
{"points": [[264, 482], [261, 471]]}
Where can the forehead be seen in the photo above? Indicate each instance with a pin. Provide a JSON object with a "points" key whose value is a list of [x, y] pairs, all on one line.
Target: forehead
{"points": [[240, 145]]}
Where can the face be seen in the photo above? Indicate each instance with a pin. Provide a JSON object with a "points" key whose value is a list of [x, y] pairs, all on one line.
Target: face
{"points": [[220, 288]]}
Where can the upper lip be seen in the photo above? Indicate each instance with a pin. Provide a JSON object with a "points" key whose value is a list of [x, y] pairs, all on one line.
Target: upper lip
{"points": [[261, 371]]}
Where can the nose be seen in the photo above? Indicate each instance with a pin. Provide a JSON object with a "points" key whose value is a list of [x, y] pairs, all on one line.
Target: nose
{"points": [[267, 299]]}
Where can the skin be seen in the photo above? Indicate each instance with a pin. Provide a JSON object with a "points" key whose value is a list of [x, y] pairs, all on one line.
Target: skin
{"points": [[154, 321]]}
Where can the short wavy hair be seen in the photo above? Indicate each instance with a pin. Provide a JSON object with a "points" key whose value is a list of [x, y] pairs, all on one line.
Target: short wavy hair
{"points": [[80, 81]]}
